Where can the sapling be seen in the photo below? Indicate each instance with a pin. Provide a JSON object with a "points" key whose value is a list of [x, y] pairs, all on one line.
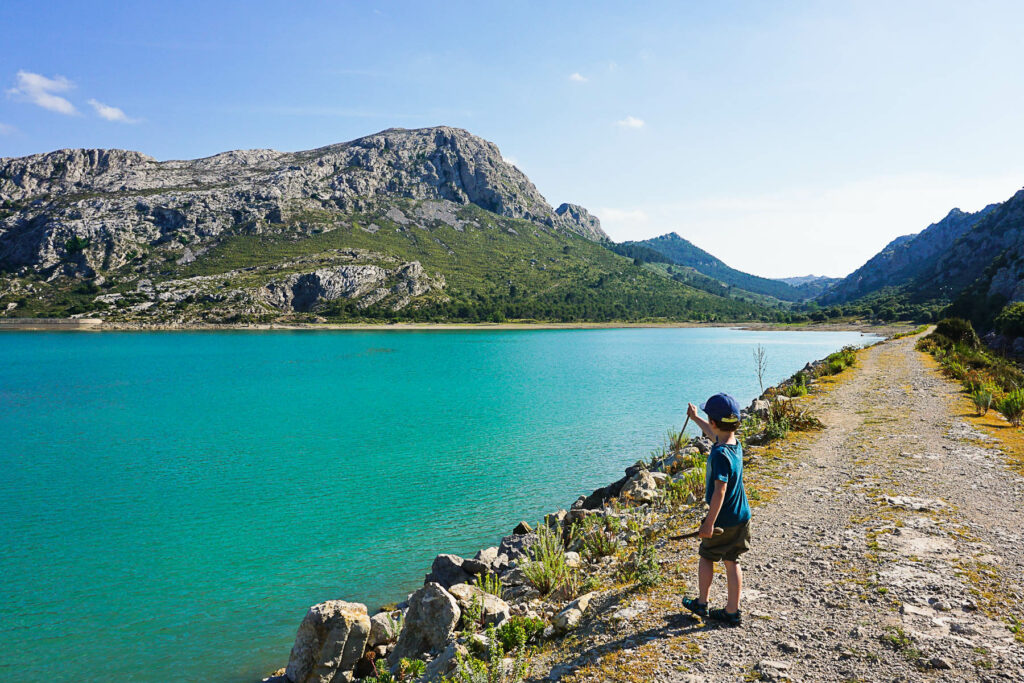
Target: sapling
{"points": [[761, 364]]}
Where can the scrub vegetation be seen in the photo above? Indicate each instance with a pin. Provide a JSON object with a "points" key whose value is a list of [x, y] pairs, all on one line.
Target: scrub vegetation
{"points": [[990, 380]]}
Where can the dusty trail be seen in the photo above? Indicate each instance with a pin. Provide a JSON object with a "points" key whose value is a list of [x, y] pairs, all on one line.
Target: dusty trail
{"points": [[887, 547]]}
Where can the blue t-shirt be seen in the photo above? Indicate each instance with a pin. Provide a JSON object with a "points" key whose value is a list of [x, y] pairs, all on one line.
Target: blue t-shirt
{"points": [[725, 463]]}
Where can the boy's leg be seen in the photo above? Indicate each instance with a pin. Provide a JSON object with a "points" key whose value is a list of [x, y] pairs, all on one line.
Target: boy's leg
{"points": [[734, 576], [705, 572]]}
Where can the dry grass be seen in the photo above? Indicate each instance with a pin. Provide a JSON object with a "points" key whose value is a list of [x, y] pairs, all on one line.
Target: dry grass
{"points": [[1009, 439]]}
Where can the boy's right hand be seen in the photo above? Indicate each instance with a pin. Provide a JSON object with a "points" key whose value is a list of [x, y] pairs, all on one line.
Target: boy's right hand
{"points": [[691, 411]]}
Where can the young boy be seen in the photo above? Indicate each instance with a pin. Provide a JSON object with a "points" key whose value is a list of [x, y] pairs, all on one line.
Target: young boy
{"points": [[728, 508]]}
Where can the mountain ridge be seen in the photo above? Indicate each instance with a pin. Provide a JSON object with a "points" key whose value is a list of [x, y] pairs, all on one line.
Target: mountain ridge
{"points": [[904, 258], [684, 253], [426, 223]]}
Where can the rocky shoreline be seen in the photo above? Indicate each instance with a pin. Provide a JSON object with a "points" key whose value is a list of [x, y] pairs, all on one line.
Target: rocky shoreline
{"points": [[536, 585]]}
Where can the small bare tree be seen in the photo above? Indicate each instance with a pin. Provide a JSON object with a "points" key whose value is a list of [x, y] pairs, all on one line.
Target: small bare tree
{"points": [[761, 363]]}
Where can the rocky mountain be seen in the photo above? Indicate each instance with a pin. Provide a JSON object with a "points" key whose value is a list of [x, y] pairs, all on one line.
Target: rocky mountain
{"points": [[905, 258], [429, 223], [682, 252], [984, 269], [968, 265], [118, 200]]}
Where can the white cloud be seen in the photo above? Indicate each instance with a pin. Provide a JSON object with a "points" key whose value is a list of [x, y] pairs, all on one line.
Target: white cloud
{"points": [[111, 113], [794, 231], [511, 160], [630, 122], [7, 129], [577, 77], [40, 90]]}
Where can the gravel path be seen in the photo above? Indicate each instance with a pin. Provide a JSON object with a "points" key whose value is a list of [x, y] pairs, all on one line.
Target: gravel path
{"points": [[886, 548]]}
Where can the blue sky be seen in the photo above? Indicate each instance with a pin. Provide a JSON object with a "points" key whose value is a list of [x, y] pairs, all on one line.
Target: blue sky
{"points": [[784, 137]]}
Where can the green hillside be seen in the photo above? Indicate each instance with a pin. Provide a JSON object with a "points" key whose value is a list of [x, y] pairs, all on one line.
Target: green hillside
{"points": [[494, 267], [684, 253]]}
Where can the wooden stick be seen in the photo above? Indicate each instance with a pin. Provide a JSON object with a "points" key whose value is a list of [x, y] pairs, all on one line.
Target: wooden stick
{"points": [[693, 534]]}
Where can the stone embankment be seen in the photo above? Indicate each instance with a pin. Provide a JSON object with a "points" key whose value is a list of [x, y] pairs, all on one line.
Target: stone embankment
{"points": [[886, 546]]}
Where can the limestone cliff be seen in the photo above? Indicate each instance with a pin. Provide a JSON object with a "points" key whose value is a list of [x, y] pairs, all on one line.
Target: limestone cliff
{"points": [[100, 207]]}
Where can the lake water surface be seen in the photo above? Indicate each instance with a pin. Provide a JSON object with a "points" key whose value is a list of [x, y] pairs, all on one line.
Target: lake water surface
{"points": [[171, 503]]}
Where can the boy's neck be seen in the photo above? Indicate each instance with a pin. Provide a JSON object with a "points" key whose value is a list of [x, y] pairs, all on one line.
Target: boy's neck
{"points": [[723, 437]]}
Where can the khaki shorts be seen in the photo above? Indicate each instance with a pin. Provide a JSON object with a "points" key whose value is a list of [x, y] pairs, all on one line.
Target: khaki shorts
{"points": [[733, 542]]}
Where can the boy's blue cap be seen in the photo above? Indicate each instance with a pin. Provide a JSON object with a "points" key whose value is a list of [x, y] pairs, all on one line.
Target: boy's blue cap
{"points": [[722, 408]]}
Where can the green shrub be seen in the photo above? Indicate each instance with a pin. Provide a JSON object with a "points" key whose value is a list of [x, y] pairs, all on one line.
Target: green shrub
{"points": [[676, 441], [675, 493], [411, 669], [982, 398], [473, 615], [492, 671], [775, 429], [517, 631], [694, 481], [76, 244], [590, 584], [784, 417], [974, 367], [691, 460], [840, 360], [642, 567], [383, 673], [648, 571], [958, 331], [598, 535], [954, 368], [1010, 320], [1006, 374], [797, 388], [547, 569], [490, 583], [973, 380], [1012, 406], [408, 670], [394, 626]]}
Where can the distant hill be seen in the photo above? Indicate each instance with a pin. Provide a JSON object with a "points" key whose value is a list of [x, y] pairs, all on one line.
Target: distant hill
{"points": [[810, 286], [427, 224], [684, 253], [806, 280]]}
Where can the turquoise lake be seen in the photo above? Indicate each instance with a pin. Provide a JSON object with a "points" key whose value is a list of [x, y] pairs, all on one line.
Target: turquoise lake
{"points": [[171, 503]]}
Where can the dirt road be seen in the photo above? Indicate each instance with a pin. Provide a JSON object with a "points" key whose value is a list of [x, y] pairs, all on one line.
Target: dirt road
{"points": [[887, 547]]}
